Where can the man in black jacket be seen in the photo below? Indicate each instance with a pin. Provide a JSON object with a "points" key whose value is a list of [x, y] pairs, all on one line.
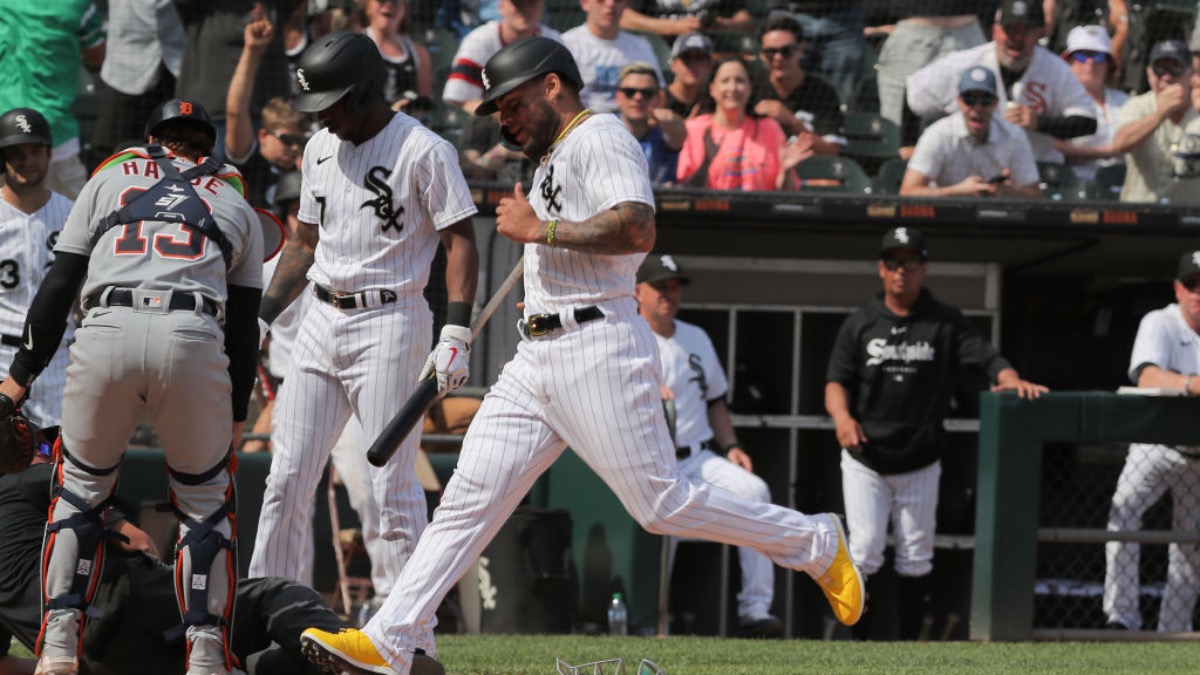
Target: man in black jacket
{"points": [[888, 389]]}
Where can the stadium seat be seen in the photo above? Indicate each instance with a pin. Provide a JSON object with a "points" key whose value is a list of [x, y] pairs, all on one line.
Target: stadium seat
{"points": [[832, 174], [1060, 183], [887, 180], [1108, 183], [870, 139]]}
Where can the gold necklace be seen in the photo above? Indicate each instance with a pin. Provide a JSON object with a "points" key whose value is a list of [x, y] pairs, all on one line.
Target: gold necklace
{"points": [[576, 121]]}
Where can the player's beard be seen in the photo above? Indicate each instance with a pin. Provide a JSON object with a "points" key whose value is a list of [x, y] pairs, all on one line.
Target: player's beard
{"points": [[544, 124]]}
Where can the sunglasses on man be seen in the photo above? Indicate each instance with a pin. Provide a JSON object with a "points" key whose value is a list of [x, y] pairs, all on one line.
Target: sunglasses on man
{"points": [[909, 264], [631, 92], [974, 98], [288, 139], [1172, 68], [1084, 56], [1190, 283], [785, 51]]}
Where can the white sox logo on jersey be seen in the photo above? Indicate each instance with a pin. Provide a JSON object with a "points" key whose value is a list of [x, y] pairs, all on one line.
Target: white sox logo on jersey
{"points": [[24, 124], [382, 204], [878, 351], [550, 191]]}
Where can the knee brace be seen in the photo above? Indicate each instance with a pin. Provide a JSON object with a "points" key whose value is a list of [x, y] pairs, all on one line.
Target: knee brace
{"points": [[197, 553], [87, 525]]}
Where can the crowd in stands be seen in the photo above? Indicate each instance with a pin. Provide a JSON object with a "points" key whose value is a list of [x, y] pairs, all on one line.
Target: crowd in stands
{"points": [[788, 95]]}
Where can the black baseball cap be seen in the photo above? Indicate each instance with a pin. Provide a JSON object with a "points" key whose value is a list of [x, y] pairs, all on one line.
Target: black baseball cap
{"points": [[1175, 50], [903, 237], [1189, 264], [1022, 11], [660, 267]]}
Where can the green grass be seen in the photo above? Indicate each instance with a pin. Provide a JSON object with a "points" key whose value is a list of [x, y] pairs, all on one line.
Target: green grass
{"points": [[534, 655]]}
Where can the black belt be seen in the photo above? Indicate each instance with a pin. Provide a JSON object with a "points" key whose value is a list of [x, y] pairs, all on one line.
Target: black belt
{"points": [[540, 324], [123, 297], [10, 340], [353, 300], [686, 451]]}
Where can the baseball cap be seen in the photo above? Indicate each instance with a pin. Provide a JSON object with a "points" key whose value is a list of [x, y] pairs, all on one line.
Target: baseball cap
{"points": [[1189, 264], [1024, 11], [660, 267], [977, 78], [903, 237], [1088, 39], [1174, 50], [692, 42]]}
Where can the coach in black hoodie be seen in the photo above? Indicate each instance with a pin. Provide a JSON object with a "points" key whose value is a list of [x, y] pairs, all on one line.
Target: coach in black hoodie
{"points": [[888, 389]]}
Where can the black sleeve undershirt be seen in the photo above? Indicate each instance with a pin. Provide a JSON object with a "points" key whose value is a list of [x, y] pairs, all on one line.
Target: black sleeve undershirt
{"points": [[1067, 127], [241, 344], [47, 318]]}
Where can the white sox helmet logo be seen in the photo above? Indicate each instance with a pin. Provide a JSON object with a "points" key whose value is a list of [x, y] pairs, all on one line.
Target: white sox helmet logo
{"points": [[669, 263], [902, 235], [1196, 258], [487, 83], [300, 78], [24, 124]]}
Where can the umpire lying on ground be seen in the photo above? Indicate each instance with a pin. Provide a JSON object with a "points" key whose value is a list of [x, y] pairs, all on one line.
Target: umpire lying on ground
{"points": [[137, 596]]}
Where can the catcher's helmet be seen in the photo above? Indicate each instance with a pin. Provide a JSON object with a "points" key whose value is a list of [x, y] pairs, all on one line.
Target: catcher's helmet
{"points": [[24, 125], [522, 61], [181, 111], [340, 64]]}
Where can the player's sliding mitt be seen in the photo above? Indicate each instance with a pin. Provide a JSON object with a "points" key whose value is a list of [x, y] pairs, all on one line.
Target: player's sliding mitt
{"points": [[16, 438], [450, 360]]}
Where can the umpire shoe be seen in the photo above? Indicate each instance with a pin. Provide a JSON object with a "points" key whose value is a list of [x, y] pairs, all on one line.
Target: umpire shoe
{"points": [[842, 583], [57, 665]]}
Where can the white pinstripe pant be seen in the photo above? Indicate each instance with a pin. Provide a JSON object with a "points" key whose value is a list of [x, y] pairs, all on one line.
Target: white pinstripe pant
{"points": [[362, 361], [595, 389], [907, 500]]}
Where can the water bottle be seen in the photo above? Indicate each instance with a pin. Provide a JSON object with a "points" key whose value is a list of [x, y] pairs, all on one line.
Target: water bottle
{"points": [[618, 616]]}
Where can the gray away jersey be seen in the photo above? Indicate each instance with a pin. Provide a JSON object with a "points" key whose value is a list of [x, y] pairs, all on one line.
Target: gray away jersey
{"points": [[379, 206], [162, 254]]}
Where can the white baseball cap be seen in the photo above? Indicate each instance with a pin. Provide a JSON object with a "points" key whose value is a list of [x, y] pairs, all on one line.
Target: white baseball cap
{"points": [[1088, 39]]}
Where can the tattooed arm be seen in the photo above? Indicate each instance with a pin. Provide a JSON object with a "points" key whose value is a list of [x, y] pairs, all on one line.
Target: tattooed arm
{"points": [[628, 227], [291, 272]]}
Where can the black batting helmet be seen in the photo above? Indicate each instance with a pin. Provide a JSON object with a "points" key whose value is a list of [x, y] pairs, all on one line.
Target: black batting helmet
{"points": [[24, 125], [181, 111], [337, 65], [519, 63]]}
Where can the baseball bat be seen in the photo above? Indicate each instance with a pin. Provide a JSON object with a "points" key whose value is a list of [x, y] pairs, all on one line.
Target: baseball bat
{"points": [[414, 408]]}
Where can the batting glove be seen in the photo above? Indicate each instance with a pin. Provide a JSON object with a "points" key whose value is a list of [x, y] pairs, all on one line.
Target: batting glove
{"points": [[450, 359]]}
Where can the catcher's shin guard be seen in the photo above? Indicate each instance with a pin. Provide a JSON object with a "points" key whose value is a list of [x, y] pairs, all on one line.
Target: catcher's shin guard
{"points": [[206, 553], [73, 549]]}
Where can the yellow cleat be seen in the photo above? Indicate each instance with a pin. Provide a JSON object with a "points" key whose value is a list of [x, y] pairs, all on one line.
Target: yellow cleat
{"points": [[346, 649], [842, 583]]}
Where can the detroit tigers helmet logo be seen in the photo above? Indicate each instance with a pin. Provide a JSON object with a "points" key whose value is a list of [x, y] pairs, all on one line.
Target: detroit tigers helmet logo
{"points": [[376, 182], [300, 78], [23, 123]]}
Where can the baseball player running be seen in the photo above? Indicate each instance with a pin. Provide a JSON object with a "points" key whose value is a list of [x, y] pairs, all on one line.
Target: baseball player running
{"points": [[1166, 353], [378, 192], [172, 256], [888, 389], [705, 443], [31, 217], [586, 375]]}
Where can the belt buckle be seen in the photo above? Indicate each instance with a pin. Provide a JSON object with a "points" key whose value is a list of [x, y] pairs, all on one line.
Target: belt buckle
{"points": [[537, 325], [154, 302]]}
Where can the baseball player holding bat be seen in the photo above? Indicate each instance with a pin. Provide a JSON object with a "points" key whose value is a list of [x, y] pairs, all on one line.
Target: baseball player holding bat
{"points": [[378, 192], [167, 257], [586, 375]]}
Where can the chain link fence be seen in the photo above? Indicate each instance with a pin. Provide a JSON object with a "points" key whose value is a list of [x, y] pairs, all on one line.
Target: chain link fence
{"points": [[1079, 483]]}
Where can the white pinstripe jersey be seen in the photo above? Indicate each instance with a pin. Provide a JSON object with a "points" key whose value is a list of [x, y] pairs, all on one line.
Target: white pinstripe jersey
{"points": [[597, 166], [26, 251], [379, 206], [693, 372], [163, 254]]}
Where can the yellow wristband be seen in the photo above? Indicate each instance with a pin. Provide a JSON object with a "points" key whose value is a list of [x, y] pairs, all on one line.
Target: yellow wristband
{"points": [[550, 232]]}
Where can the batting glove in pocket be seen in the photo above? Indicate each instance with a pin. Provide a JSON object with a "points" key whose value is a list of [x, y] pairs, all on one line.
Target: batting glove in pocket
{"points": [[450, 360]]}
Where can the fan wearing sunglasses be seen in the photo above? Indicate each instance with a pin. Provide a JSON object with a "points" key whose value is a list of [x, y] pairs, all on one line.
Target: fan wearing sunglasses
{"points": [[657, 129], [1151, 125], [973, 153], [264, 155], [1089, 53], [1037, 90], [806, 107]]}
